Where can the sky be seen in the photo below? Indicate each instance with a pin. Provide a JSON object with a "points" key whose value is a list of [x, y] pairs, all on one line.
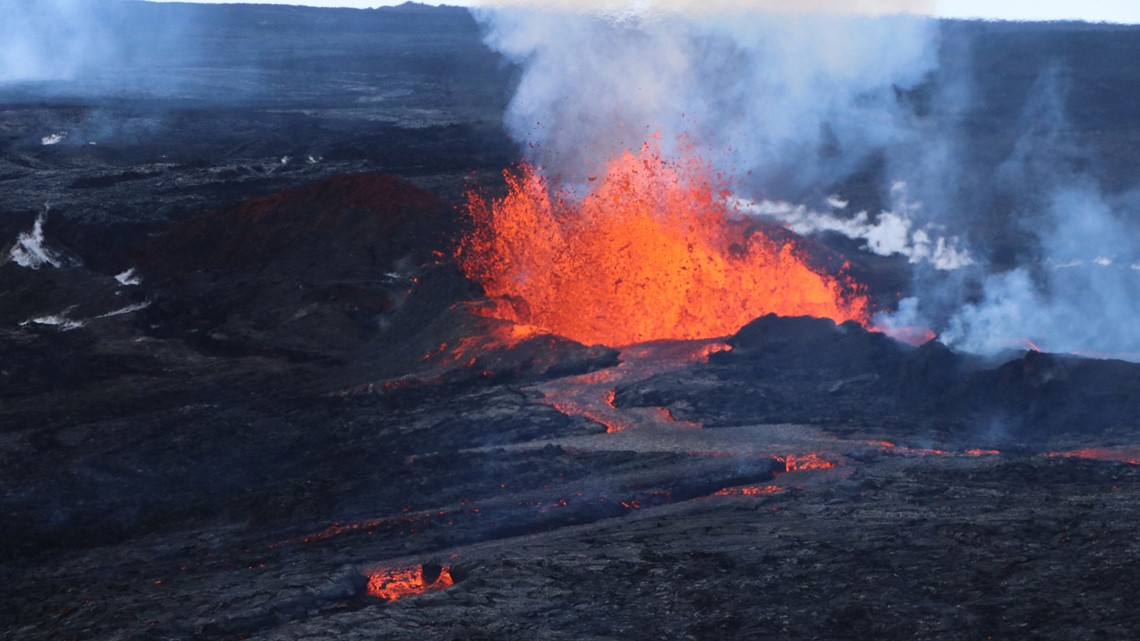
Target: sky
{"points": [[1123, 11]]}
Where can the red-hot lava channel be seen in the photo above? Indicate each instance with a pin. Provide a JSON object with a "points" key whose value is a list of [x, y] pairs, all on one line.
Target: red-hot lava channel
{"points": [[794, 463], [650, 252], [398, 583], [750, 490], [1118, 454]]}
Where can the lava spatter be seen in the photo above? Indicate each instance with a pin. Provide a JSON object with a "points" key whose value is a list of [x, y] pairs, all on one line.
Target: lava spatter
{"points": [[651, 251]]}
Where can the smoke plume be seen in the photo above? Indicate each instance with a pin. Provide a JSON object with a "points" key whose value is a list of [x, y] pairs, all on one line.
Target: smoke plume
{"points": [[696, 7], [1074, 289], [892, 232], [31, 251], [795, 99], [797, 94], [52, 39], [1081, 297], [102, 48]]}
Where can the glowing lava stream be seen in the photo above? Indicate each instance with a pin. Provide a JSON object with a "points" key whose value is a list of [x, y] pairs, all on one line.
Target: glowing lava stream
{"points": [[651, 252], [1129, 454]]}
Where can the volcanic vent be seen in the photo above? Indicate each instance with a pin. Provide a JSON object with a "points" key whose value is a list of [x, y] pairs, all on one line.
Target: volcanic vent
{"points": [[648, 250]]}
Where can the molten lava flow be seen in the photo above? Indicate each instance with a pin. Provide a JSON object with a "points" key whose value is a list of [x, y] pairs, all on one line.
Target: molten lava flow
{"points": [[894, 448], [1118, 454], [397, 583], [794, 463], [749, 490], [467, 350], [651, 252], [888, 446]]}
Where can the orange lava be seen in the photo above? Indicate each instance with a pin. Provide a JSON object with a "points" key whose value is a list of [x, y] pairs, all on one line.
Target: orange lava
{"points": [[1129, 455], [467, 350], [398, 583], [895, 448], [794, 463], [650, 252], [751, 490]]}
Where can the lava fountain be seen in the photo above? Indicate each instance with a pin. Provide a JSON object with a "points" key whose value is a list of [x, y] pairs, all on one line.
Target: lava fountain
{"points": [[649, 251]]}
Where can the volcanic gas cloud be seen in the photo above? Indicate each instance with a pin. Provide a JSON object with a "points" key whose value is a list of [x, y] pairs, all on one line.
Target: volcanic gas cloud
{"points": [[648, 250]]}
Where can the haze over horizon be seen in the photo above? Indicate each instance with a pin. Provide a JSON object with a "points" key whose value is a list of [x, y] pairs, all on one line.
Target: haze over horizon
{"points": [[1113, 11]]}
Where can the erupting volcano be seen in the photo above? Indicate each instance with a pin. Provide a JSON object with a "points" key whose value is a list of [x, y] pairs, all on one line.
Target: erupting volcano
{"points": [[270, 368], [650, 252]]}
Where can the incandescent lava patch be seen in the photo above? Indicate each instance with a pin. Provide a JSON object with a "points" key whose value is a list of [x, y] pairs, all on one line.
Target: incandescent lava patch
{"points": [[391, 584], [650, 251]]}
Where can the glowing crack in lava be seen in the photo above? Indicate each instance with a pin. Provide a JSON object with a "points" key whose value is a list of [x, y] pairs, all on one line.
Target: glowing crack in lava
{"points": [[750, 490], [793, 463], [398, 583], [1118, 454], [650, 252]]}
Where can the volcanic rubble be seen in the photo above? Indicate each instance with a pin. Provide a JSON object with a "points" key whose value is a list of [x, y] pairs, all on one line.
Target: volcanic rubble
{"points": [[292, 400]]}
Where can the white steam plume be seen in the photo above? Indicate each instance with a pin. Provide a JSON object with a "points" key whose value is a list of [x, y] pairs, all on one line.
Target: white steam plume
{"points": [[1077, 291], [97, 46], [51, 39], [893, 232], [1081, 301], [30, 250], [834, 7], [794, 98], [60, 320]]}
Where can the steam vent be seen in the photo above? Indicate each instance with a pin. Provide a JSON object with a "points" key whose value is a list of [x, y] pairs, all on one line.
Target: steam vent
{"points": [[568, 321]]}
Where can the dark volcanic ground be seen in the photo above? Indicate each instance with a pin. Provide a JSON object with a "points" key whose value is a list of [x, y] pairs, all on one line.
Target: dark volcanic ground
{"points": [[293, 391]]}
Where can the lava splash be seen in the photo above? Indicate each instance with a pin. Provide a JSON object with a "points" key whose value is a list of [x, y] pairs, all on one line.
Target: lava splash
{"points": [[650, 251]]}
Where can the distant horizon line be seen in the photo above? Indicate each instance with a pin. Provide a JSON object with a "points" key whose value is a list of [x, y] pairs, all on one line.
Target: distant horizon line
{"points": [[967, 15]]}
